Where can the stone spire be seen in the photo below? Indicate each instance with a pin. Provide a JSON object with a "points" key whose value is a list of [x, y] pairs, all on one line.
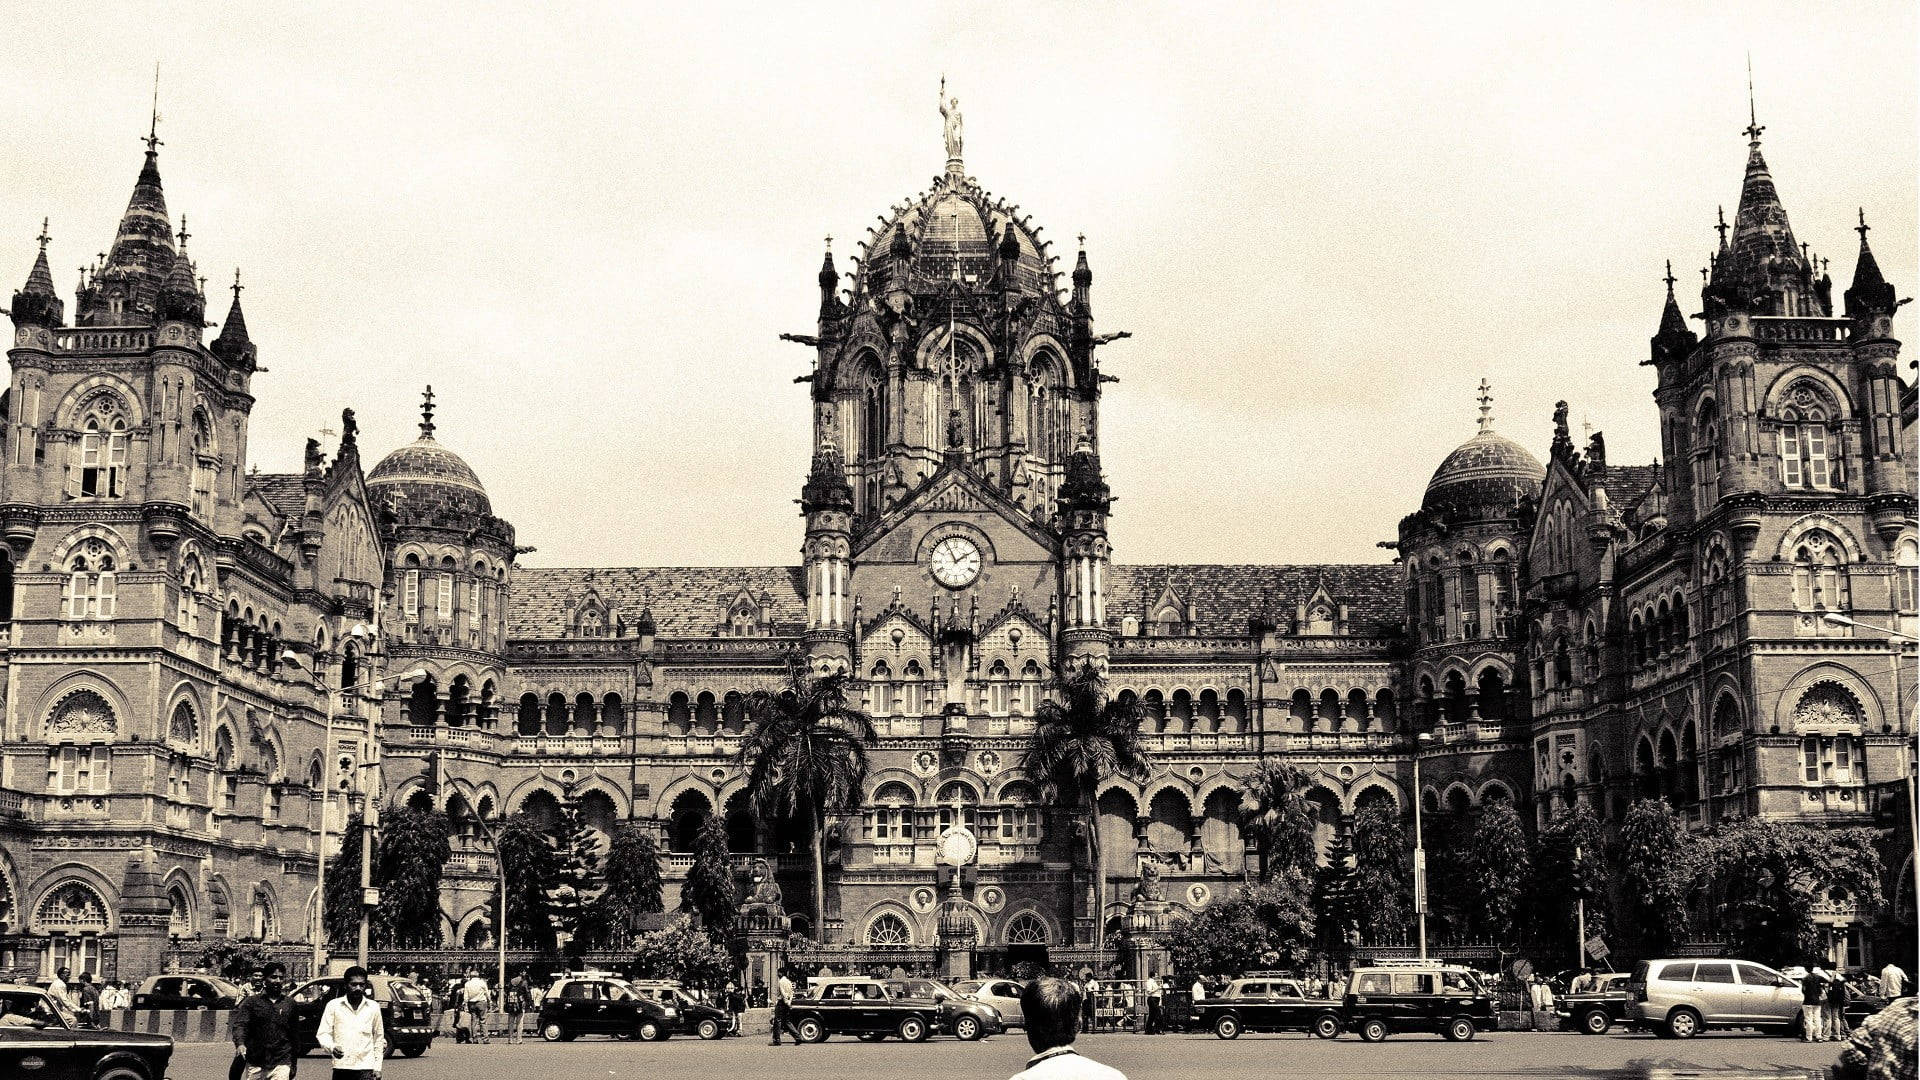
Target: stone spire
{"points": [[426, 414], [1762, 269], [1673, 341], [141, 257], [37, 304], [1870, 293], [826, 487], [180, 297], [829, 284], [233, 345], [1486, 407]]}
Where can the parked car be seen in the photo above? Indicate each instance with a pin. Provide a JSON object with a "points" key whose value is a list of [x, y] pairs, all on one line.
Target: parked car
{"points": [[1681, 998], [1448, 1000], [871, 1010], [1002, 994], [42, 1038], [1267, 1004], [696, 1018], [583, 1004], [1594, 1011], [186, 992], [406, 1009], [960, 1016]]}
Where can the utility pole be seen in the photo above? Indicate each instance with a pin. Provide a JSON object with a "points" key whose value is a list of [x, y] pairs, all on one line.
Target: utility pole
{"points": [[1579, 915]]}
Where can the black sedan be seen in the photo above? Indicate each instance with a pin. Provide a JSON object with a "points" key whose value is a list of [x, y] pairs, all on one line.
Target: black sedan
{"points": [[186, 992], [1594, 1011], [41, 1038], [405, 1010]]}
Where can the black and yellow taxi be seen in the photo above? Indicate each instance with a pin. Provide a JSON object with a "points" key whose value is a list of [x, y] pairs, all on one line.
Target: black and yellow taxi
{"points": [[41, 1037], [1384, 1000], [406, 1011], [1267, 1004], [597, 1003]]}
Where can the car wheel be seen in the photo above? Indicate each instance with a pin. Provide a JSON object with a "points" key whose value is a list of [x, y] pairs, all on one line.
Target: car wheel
{"points": [[412, 1051], [1683, 1023], [1596, 1022], [1373, 1030], [709, 1029], [812, 1030], [1326, 1026], [1460, 1029], [913, 1029], [966, 1029], [553, 1032], [122, 1071], [1226, 1027], [650, 1031]]}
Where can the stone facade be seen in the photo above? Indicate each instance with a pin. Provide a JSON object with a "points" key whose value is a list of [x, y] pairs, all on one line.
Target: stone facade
{"points": [[182, 629]]}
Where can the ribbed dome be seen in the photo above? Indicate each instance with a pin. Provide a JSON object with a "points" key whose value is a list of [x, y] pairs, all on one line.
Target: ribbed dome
{"points": [[956, 218], [426, 465], [1486, 470]]}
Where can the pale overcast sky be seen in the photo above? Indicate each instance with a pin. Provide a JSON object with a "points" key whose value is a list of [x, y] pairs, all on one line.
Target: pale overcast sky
{"points": [[1323, 223]]}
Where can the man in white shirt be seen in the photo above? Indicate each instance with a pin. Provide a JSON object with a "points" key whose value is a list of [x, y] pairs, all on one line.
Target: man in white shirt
{"points": [[1090, 1008], [352, 1031], [783, 1009], [1153, 1005], [1052, 1010], [1199, 991], [58, 987], [476, 995], [1893, 980]]}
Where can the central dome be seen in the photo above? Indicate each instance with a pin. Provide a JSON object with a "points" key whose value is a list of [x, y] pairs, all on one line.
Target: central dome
{"points": [[957, 223], [1488, 470], [427, 475]]}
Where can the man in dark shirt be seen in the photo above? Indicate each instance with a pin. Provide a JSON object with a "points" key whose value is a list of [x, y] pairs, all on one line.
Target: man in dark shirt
{"points": [[263, 1027]]}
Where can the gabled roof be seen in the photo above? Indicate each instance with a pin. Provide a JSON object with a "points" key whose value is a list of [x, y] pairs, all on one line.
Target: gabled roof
{"points": [[285, 492], [1628, 484], [686, 601], [1225, 596]]}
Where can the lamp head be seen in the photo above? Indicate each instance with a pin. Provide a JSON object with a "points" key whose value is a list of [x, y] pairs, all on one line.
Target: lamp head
{"points": [[1837, 619], [409, 676], [288, 656]]}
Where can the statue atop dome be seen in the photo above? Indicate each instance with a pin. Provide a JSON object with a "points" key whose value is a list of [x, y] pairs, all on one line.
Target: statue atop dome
{"points": [[950, 116]]}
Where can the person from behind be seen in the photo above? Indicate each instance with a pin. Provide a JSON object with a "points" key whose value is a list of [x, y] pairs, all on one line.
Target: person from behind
{"points": [[1838, 994], [783, 1009], [519, 995], [1813, 1005], [352, 1030], [1052, 1010], [1893, 980], [263, 1027], [1882, 1047]]}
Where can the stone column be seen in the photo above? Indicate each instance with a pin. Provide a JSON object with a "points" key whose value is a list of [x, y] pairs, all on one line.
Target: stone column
{"points": [[143, 917]]}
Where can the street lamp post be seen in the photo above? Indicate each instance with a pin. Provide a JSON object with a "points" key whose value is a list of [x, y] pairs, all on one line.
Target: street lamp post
{"points": [[369, 817], [500, 880], [1419, 849], [1834, 618]]}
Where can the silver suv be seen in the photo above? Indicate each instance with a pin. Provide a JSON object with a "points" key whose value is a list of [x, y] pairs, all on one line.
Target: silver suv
{"points": [[1681, 998]]}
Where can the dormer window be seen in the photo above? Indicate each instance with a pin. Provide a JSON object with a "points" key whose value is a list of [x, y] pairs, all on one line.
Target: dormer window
{"points": [[742, 621]]}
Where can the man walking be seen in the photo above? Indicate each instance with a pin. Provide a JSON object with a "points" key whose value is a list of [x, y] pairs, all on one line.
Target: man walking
{"points": [[1813, 1000], [518, 996], [783, 1008], [1893, 980], [1052, 1010], [262, 1027], [58, 987], [1153, 992], [352, 1031], [1090, 1005], [1837, 996], [477, 997]]}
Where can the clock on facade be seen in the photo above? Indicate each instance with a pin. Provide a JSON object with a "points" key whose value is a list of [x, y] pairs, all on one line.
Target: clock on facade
{"points": [[955, 562]]}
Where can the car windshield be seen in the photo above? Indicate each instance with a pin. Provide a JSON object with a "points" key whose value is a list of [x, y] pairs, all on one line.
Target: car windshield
{"points": [[968, 987], [401, 990]]}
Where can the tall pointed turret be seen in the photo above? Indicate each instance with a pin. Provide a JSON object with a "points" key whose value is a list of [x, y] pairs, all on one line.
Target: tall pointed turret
{"points": [[233, 345], [1762, 269], [37, 304], [1870, 294], [1673, 341], [180, 297], [127, 288]]}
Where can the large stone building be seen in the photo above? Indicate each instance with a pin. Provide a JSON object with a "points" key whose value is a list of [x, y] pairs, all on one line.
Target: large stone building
{"points": [[181, 628]]}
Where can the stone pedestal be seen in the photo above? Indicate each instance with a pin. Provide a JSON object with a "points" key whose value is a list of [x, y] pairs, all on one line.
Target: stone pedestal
{"points": [[1147, 939], [144, 918], [763, 940]]}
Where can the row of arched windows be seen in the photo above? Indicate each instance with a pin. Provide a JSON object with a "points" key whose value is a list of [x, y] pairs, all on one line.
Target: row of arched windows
{"points": [[1451, 703], [582, 714], [1461, 598], [1183, 711], [1657, 631]]}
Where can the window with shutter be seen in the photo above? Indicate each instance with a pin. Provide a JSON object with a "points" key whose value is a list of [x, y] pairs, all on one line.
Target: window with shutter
{"points": [[444, 604], [1790, 455], [410, 601], [102, 769]]}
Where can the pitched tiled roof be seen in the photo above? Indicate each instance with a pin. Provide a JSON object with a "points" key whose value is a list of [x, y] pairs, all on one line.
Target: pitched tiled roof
{"points": [[1226, 596], [285, 492], [1628, 484], [686, 601]]}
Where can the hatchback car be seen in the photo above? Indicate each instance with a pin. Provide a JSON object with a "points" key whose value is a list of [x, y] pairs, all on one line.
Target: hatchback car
{"points": [[1681, 998], [406, 1010], [603, 1005], [1002, 994], [186, 992], [696, 1018], [1449, 1000]]}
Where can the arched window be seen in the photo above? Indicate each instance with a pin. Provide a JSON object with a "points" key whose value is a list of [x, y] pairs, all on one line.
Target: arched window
{"points": [[1156, 708], [1803, 440], [613, 715], [206, 463], [706, 714], [1907, 571], [1026, 928], [998, 699], [1819, 576], [1492, 689], [1469, 597], [423, 702], [586, 718], [1456, 685], [101, 466], [880, 689], [528, 722], [913, 700], [223, 766], [679, 713], [891, 818], [733, 712], [957, 802], [1236, 708], [1208, 709], [888, 929], [689, 812], [1706, 458], [73, 916], [1180, 709], [179, 911], [457, 704], [1562, 663], [91, 583], [1019, 814], [1384, 710], [1028, 699], [1300, 706], [558, 722]]}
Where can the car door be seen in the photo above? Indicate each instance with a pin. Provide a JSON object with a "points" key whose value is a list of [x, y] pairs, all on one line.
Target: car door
{"points": [[50, 1051], [1006, 997], [1289, 1007], [1720, 996], [1770, 997], [1415, 997], [839, 1012], [578, 1006]]}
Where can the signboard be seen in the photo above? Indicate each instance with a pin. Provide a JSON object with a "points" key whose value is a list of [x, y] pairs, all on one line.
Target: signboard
{"points": [[1596, 948], [370, 897], [1420, 881]]}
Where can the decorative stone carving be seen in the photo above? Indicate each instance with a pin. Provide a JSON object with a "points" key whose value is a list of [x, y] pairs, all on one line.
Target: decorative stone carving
{"points": [[82, 713]]}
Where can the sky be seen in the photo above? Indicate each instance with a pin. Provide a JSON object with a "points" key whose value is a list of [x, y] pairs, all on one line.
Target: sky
{"points": [[1323, 225]]}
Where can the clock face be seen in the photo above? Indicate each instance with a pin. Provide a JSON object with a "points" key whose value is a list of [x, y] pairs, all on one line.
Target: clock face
{"points": [[955, 562]]}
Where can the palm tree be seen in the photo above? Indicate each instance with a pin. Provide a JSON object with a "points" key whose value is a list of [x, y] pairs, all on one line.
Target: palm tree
{"points": [[805, 754], [1280, 816], [1080, 738]]}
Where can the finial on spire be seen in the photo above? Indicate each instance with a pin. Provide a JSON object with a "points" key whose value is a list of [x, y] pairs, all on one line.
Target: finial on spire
{"points": [[1083, 241], [1721, 227], [183, 230], [1669, 279], [1753, 114], [237, 287], [829, 241], [153, 123], [1486, 406], [426, 414], [44, 238], [1860, 228]]}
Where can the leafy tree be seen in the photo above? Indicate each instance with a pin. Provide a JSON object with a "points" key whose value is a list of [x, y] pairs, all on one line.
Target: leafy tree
{"points": [[1661, 866], [632, 888], [683, 951], [1080, 738], [343, 887], [531, 863], [1569, 866], [1280, 816], [1769, 876], [1383, 878], [411, 852], [709, 889], [1335, 894], [1500, 869], [576, 882], [1264, 925], [805, 755], [234, 959]]}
